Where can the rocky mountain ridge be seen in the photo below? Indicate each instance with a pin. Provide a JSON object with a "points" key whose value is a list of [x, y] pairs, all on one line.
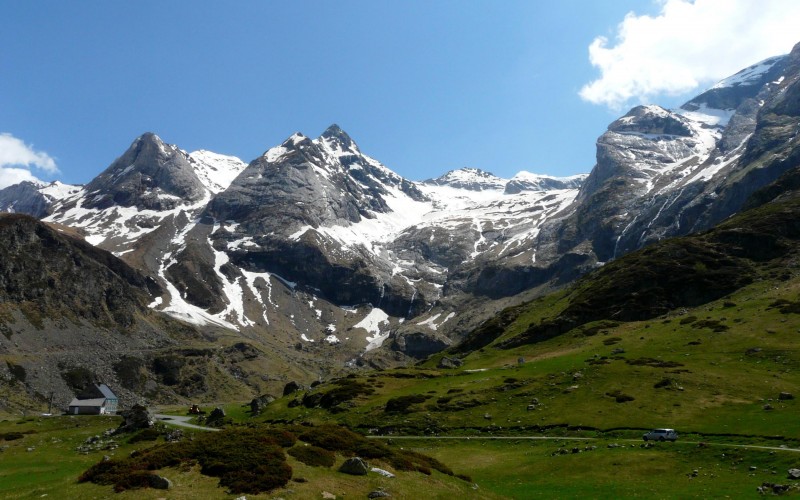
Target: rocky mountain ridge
{"points": [[323, 247]]}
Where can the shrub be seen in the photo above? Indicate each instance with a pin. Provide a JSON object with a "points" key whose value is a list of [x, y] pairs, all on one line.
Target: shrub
{"points": [[401, 404], [655, 363], [149, 434], [620, 397], [245, 460], [11, 436], [313, 456], [347, 389], [332, 438], [664, 382], [408, 460]]}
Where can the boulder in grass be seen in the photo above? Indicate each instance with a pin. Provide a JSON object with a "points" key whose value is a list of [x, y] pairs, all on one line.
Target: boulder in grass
{"points": [[355, 467]]}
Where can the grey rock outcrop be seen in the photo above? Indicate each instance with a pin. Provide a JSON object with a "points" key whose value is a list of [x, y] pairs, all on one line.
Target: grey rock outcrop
{"points": [[420, 344], [355, 467], [449, 363], [291, 388], [137, 418], [258, 404], [159, 482]]}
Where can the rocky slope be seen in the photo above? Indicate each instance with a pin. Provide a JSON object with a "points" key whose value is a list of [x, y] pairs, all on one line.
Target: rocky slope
{"points": [[72, 314]]}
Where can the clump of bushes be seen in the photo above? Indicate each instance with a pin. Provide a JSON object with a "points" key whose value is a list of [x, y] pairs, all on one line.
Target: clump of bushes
{"points": [[246, 461], [664, 382], [401, 404], [11, 436], [620, 397], [333, 438], [346, 390], [313, 456], [149, 434], [655, 363], [714, 325], [252, 460]]}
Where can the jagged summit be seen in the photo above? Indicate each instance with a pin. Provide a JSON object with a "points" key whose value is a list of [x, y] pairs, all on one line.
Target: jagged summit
{"points": [[335, 132], [149, 175]]}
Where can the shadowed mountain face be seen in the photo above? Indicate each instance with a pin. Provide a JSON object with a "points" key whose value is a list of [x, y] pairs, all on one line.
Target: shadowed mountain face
{"points": [[326, 250], [64, 276]]}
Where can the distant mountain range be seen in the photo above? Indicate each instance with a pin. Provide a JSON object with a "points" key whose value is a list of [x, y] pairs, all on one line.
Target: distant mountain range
{"points": [[330, 254]]}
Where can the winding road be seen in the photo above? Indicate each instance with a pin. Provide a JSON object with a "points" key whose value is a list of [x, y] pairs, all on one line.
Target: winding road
{"points": [[181, 421], [562, 438]]}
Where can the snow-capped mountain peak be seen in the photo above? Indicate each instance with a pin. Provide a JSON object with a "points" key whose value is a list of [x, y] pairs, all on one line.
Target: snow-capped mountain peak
{"points": [[473, 179], [336, 142]]}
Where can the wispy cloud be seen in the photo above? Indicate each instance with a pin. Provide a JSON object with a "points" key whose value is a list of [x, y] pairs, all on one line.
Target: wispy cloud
{"points": [[689, 44], [17, 159]]}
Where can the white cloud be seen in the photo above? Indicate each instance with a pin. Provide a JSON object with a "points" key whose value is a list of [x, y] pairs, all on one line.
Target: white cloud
{"points": [[11, 176], [687, 45], [17, 158]]}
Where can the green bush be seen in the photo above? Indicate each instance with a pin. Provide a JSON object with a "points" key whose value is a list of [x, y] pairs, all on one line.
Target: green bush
{"points": [[150, 434], [11, 436], [246, 461], [332, 438], [402, 403], [313, 456]]}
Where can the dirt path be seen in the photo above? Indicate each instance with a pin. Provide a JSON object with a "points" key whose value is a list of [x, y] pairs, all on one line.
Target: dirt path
{"points": [[181, 422]]}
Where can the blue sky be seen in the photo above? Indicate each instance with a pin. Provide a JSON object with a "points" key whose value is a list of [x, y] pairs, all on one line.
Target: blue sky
{"points": [[423, 86]]}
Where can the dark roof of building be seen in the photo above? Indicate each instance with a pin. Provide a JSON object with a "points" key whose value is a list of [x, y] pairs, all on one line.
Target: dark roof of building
{"points": [[106, 391]]}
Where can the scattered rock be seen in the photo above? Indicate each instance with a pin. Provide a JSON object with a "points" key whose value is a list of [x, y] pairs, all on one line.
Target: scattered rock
{"points": [[753, 468], [378, 494], [521, 360], [777, 489], [785, 396], [173, 436], [291, 387], [258, 404], [794, 473], [328, 496], [487, 416], [767, 406], [137, 418], [449, 363], [384, 473], [354, 466], [159, 482]]}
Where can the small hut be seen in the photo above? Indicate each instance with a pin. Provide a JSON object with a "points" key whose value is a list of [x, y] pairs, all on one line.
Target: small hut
{"points": [[97, 400]]}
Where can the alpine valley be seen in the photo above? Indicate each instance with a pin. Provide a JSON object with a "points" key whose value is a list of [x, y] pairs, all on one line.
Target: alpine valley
{"points": [[176, 276]]}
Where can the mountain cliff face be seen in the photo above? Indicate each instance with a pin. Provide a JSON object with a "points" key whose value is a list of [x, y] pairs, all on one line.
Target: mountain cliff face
{"points": [[329, 253]]}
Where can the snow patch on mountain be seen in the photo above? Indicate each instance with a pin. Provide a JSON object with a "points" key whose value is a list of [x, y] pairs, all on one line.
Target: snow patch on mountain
{"points": [[214, 170], [750, 75]]}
